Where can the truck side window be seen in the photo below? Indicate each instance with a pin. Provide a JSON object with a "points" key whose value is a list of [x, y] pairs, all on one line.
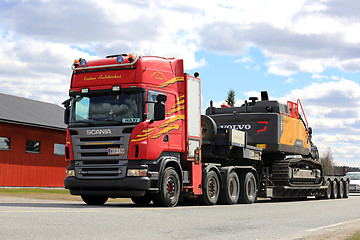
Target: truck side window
{"points": [[151, 103], [82, 108]]}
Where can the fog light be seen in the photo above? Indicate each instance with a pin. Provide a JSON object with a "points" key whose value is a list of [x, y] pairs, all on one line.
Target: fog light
{"points": [[70, 173], [137, 173]]}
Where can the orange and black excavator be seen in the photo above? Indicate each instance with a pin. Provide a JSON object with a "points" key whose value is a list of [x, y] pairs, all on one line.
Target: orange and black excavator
{"points": [[290, 157]]}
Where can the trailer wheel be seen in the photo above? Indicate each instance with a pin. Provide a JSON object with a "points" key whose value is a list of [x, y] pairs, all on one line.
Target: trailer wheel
{"points": [[94, 200], [340, 190], [248, 193], [230, 192], [169, 193], [334, 190], [211, 189], [346, 189], [143, 200], [328, 191]]}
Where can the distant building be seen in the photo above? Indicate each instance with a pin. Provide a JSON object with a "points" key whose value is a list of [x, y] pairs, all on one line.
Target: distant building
{"points": [[32, 140]]}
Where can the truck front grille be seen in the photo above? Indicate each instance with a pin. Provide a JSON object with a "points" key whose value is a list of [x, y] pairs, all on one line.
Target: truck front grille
{"points": [[100, 157]]}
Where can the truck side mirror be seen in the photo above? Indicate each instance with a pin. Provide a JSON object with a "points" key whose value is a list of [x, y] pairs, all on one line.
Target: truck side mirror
{"points": [[159, 108], [66, 116], [66, 104]]}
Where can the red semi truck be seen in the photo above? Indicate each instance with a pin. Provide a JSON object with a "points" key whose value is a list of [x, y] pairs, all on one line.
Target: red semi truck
{"points": [[135, 130]]}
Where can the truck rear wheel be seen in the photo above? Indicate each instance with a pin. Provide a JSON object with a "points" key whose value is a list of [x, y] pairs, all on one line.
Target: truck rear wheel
{"points": [[231, 189], [211, 189], [169, 193], [248, 193], [94, 200], [334, 190]]}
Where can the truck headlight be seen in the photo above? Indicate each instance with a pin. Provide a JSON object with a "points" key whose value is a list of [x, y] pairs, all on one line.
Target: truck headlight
{"points": [[137, 172], [70, 173]]}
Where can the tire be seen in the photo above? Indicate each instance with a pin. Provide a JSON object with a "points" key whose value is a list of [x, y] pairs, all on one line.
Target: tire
{"points": [[340, 190], [248, 193], [94, 200], [170, 187], [230, 192], [334, 190], [346, 189], [208, 128], [143, 200], [328, 191], [211, 189]]}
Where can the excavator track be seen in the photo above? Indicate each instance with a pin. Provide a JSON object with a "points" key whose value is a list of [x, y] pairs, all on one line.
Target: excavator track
{"points": [[297, 172]]}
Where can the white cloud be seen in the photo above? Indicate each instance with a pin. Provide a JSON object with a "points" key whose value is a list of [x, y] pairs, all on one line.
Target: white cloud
{"points": [[244, 59], [318, 76], [290, 81], [37, 49]]}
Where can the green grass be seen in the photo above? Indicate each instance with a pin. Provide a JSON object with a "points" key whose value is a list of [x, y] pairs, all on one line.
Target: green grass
{"points": [[49, 194], [33, 190], [356, 236]]}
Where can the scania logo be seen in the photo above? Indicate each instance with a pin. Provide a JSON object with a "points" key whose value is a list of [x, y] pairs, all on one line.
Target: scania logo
{"points": [[98, 131], [237, 126]]}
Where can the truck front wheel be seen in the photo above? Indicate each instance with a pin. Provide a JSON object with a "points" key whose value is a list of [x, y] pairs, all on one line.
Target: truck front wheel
{"points": [[94, 200], [169, 193]]}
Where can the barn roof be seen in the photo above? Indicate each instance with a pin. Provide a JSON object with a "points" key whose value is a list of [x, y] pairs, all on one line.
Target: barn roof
{"points": [[31, 112]]}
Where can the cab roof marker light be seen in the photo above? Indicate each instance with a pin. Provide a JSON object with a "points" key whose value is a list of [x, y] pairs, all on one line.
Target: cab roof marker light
{"points": [[131, 57], [76, 63], [74, 68]]}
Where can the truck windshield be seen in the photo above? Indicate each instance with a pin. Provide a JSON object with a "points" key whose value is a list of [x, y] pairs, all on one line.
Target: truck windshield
{"points": [[124, 108]]}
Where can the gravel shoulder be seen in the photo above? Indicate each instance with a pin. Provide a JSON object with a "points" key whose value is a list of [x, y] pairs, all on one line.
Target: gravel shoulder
{"points": [[340, 231]]}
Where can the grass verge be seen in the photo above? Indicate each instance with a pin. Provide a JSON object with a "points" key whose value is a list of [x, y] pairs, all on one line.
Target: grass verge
{"points": [[48, 194], [356, 236]]}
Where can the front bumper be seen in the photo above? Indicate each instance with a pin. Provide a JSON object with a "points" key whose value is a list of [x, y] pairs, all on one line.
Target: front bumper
{"points": [[126, 187]]}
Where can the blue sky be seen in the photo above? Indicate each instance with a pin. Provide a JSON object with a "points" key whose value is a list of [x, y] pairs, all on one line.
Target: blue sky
{"points": [[306, 49]]}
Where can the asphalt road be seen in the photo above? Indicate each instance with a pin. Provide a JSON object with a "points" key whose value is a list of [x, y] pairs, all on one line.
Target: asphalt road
{"points": [[22, 218]]}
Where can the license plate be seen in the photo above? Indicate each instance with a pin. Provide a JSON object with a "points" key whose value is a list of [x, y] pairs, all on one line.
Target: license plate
{"points": [[116, 151]]}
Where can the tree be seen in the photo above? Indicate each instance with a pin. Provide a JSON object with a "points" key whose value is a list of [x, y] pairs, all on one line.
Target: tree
{"points": [[327, 162], [231, 98]]}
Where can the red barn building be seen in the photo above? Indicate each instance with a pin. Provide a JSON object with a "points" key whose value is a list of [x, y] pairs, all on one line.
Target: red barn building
{"points": [[32, 140]]}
